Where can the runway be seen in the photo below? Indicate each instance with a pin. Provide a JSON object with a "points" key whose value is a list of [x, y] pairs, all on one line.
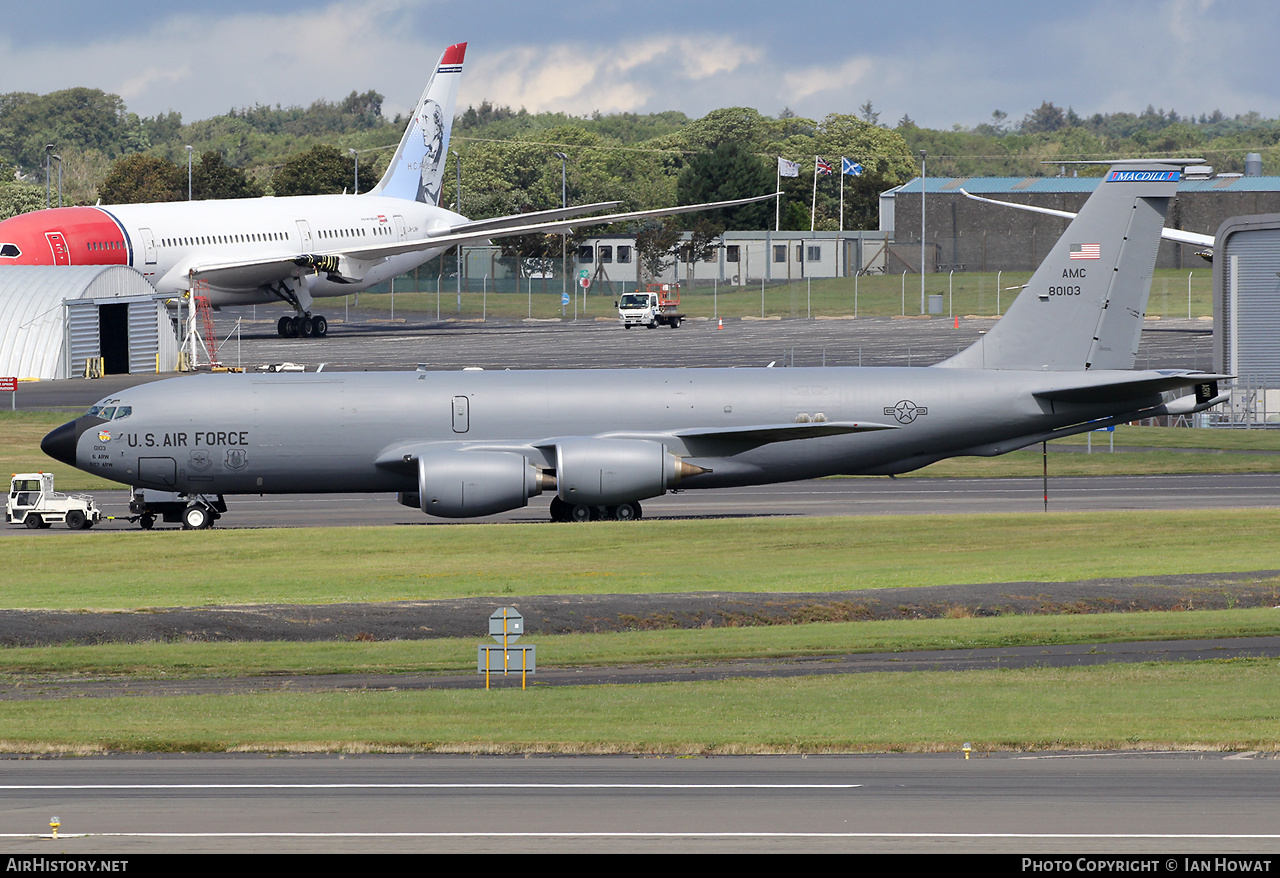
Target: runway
{"points": [[1036, 804]]}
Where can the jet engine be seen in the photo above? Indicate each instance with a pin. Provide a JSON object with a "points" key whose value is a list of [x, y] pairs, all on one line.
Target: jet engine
{"points": [[605, 472], [466, 484]]}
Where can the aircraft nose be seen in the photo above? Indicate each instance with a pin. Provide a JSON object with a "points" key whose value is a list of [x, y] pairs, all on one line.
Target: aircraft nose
{"points": [[61, 442]]}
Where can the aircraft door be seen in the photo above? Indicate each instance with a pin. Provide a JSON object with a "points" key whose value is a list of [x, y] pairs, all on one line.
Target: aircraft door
{"points": [[148, 246], [304, 236], [399, 221], [461, 414], [58, 244]]}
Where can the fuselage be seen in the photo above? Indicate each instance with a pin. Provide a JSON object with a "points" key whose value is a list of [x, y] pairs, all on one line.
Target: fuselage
{"points": [[334, 432], [165, 240]]}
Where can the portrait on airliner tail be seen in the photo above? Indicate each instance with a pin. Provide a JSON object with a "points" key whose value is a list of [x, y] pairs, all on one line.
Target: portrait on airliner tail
{"points": [[431, 122]]}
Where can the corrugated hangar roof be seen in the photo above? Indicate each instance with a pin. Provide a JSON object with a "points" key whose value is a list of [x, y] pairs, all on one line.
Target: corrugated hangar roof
{"points": [[32, 320], [1011, 185]]}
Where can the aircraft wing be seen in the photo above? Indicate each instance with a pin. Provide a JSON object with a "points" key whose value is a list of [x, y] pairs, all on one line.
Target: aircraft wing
{"points": [[352, 263], [698, 442], [1176, 235], [518, 224], [521, 219]]}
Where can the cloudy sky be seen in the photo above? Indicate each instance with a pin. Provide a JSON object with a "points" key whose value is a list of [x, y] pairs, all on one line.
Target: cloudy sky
{"points": [[942, 63]]}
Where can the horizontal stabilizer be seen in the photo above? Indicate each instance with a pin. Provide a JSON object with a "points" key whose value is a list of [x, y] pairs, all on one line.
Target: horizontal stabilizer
{"points": [[1142, 384], [1178, 236]]}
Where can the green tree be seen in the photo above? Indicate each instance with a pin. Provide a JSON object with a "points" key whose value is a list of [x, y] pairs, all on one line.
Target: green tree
{"points": [[211, 177], [726, 173], [81, 118], [139, 178], [702, 243], [321, 170], [16, 198], [656, 241]]}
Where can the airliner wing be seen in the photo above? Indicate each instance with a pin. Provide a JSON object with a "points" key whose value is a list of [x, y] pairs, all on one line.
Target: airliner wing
{"points": [[351, 263], [1176, 235], [518, 224]]}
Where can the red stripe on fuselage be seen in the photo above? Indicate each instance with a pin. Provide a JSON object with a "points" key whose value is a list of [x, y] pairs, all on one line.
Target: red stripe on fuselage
{"points": [[65, 236]]}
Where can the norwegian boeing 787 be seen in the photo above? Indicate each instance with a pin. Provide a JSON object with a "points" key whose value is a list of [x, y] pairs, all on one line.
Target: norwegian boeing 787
{"points": [[296, 249]]}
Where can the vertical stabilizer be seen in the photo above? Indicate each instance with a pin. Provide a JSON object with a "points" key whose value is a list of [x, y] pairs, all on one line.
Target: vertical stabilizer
{"points": [[1083, 308], [416, 172]]}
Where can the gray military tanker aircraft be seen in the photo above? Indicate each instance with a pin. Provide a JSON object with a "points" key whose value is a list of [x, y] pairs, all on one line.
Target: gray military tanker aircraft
{"points": [[473, 443]]}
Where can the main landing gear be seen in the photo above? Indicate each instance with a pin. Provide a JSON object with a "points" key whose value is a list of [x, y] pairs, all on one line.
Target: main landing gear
{"points": [[562, 511], [303, 326]]}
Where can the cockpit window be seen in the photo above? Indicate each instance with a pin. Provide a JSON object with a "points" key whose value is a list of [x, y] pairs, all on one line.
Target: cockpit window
{"points": [[10, 250], [108, 411]]}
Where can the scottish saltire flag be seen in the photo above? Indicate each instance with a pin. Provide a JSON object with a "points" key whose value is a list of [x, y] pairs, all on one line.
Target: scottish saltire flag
{"points": [[852, 168], [788, 169], [823, 166], [1086, 251]]}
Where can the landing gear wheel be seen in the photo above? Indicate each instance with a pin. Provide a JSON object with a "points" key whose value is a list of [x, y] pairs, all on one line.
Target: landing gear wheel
{"points": [[306, 326], [319, 326], [33, 521], [196, 517], [290, 326], [559, 509], [581, 512], [282, 327], [625, 512], [147, 521], [76, 520]]}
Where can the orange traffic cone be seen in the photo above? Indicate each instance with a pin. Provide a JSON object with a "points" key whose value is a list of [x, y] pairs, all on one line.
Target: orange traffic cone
{"points": [[957, 323], [721, 326]]}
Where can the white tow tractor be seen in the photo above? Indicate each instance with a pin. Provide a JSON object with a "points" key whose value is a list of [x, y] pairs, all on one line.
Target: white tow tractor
{"points": [[655, 304], [34, 503]]}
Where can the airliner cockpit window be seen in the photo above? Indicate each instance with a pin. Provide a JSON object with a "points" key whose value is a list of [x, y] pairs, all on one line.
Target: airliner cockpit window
{"points": [[10, 250]]}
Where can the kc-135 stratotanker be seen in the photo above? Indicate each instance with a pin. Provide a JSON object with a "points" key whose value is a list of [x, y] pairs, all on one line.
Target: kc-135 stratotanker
{"points": [[473, 443]]}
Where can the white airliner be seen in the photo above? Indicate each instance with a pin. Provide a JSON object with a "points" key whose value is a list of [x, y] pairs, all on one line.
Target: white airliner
{"points": [[253, 250]]}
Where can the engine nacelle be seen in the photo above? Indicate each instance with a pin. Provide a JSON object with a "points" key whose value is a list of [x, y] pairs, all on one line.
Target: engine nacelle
{"points": [[605, 472], [465, 484]]}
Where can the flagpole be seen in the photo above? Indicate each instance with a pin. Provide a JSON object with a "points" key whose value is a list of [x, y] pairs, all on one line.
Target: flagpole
{"points": [[777, 202], [842, 193], [813, 207]]}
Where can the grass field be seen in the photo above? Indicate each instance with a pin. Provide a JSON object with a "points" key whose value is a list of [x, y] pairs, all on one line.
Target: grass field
{"points": [[1205, 705], [444, 655], [103, 571], [1217, 705], [981, 294], [1201, 705]]}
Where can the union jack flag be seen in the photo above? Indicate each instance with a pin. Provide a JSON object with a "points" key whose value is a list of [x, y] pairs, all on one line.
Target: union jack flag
{"points": [[823, 166]]}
